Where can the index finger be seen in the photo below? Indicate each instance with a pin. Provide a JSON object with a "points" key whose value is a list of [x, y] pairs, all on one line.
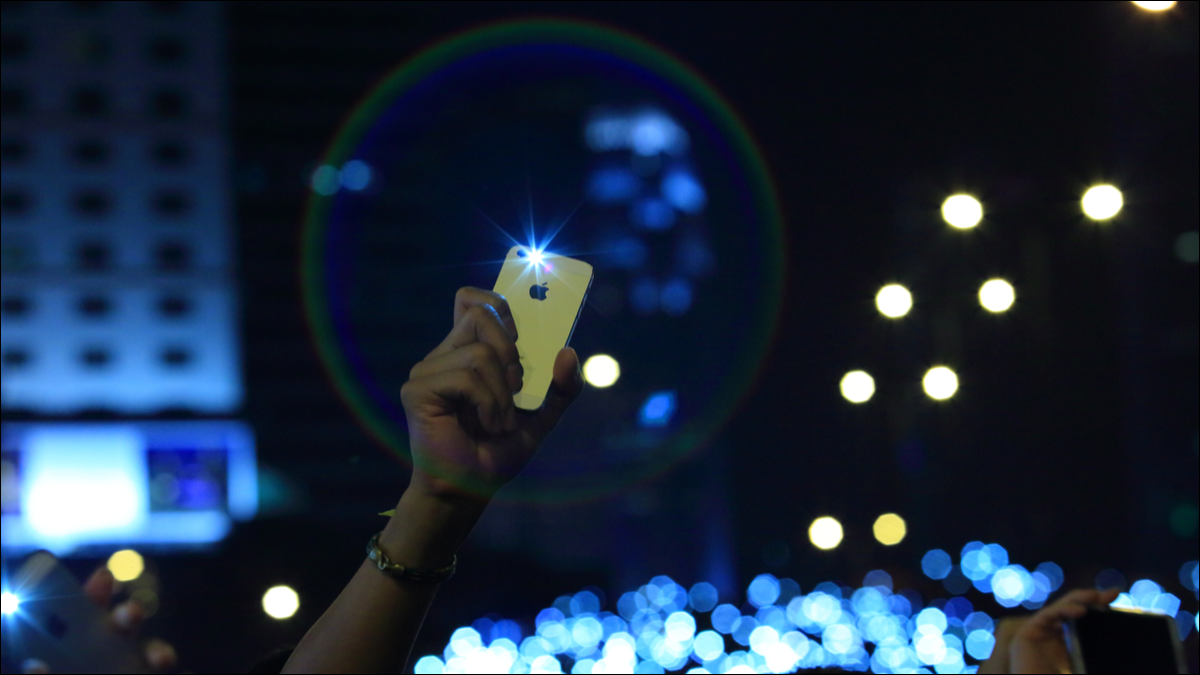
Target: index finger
{"points": [[469, 297]]}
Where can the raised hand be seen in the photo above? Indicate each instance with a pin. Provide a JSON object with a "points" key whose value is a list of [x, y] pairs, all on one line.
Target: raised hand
{"points": [[466, 433]]}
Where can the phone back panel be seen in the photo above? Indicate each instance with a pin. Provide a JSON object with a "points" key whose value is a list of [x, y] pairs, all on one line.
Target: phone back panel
{"points": [[545, 300], [58, 625]]}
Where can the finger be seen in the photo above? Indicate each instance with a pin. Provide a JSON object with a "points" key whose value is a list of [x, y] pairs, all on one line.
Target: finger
{"points": [[483, 361], [100, 587], [128, 617], [567, 384], [473, 297], [450, 392], [161, 656], [482, 324]]}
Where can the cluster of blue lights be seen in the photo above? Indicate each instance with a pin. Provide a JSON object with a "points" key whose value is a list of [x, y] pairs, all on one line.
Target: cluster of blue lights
{"points": [[355, 176], [663, 627]]}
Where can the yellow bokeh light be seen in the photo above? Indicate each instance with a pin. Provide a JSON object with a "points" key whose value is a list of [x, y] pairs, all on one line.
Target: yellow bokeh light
{"points": [[997, 296], [962, 211], [602, 371], [281, 603], [941, 384], [126, 565], [1155, 5], [826, 533], [894, 301], [890, 529], [858, 387], [1102, 202]]}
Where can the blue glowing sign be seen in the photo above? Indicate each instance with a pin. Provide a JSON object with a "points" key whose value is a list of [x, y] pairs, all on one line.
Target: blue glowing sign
{"points": [[77, 485]]}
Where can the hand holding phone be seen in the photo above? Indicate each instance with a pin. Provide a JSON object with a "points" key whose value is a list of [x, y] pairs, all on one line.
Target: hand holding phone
{"points": [[1106, 641], [60, 626]]}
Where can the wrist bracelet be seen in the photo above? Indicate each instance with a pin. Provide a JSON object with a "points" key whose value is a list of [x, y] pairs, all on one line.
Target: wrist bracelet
{"points": [[402, 573]]}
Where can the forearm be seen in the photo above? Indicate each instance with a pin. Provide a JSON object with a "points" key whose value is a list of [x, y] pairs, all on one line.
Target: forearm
{"points": [[373, 624]]}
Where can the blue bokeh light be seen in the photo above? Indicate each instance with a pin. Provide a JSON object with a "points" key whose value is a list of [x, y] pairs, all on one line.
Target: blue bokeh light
{"points": [[653, 214], [1189, 576], [613, 186], [356, 175], [658, 410], [723, 618], [1053, 573], [763, 591], [683, 191], [644, 296], [937, 565], [703, 597], [677, 297]]}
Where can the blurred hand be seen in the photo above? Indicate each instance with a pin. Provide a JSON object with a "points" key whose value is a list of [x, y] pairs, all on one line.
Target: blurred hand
{"points": [[466, 433], [1040, 645], [126, 619]]}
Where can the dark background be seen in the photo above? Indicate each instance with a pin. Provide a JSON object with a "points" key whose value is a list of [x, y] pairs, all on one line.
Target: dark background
{"points": [[1073, 439]]}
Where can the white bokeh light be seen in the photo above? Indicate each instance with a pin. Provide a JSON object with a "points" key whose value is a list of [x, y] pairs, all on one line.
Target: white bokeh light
{"points": [[826, 533], [281, 603], [962, 212], [858, 387], [601, 371], [1102, 202], [997, 296], [1155, 5], [894, 301], [941, 383]]}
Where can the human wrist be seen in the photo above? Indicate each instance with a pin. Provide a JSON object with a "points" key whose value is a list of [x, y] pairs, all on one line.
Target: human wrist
{"points": [[428, 527]]}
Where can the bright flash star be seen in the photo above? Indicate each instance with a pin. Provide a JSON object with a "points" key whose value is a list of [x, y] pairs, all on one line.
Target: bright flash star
{"points": [[9, 604], [536, 257]]}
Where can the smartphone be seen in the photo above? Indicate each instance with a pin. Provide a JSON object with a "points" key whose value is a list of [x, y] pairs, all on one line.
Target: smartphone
{"points": [[546, 293], [58, 625], [1125, 641]]}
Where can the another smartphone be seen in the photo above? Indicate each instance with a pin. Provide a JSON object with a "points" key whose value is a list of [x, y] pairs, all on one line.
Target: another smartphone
{"points": [[1124, 641], [546, 293], [58, 625]]}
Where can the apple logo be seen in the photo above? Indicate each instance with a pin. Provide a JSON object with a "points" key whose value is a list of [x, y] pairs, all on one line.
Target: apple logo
{"points": [[539, 292]]}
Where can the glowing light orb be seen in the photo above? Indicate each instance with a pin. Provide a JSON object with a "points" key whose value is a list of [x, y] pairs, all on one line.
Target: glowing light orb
{"points": [[1102, 202], [894, 301], [890, 529], [1155, 5], [858, 387], [1187, 247], [126, 565], [997, 296], [281, 603], [9, 604], [826, 533], [941, 384], [962, 212], [601, 371], [536, 257]]}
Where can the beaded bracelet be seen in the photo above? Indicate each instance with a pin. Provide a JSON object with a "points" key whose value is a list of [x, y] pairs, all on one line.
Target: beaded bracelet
{"points": [[402, 573]]}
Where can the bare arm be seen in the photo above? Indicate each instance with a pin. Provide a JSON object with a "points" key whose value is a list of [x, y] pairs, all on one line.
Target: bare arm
{"points": [[468, 440]]}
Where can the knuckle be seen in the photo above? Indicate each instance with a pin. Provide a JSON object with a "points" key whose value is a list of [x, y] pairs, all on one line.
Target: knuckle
{"points": [[482, 354]]}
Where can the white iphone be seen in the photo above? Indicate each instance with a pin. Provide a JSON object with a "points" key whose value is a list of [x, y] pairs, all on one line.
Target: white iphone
{"points": [[546, 293]]}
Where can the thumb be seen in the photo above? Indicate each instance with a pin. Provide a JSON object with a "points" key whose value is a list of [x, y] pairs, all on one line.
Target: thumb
{"points": [[567, 384]]}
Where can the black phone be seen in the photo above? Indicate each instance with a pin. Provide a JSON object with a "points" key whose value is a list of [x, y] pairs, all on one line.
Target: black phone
{"points": [[1112, 641]]}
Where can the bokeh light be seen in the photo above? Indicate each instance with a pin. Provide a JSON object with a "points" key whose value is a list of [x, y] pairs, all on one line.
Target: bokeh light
{"points": [[826, 533], [281, 603], [126, 565], [941, 383], [997, 296], [962, 211], [9, 604], [894, 301], [658, 410], [937, 565], [858, 387], [1102, 202], [763, 591], [601, 371], [1189, 576], [1155, 5], [890, 529]]}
